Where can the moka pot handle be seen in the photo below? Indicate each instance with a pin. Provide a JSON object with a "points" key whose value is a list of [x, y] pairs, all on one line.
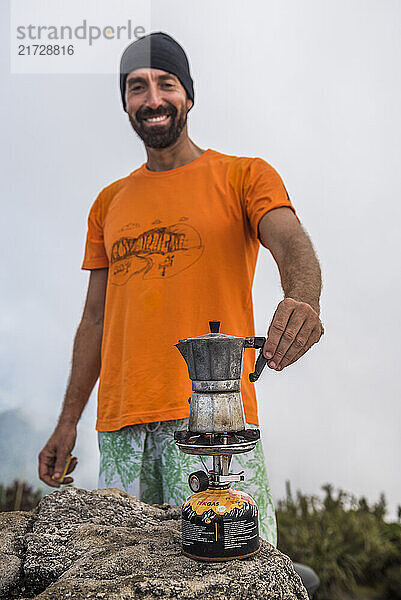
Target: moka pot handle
{"points": [[257, 342]]}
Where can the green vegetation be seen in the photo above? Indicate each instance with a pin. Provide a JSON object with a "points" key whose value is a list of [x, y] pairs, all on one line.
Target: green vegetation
{"points": [[355, 552], [18, 496]]}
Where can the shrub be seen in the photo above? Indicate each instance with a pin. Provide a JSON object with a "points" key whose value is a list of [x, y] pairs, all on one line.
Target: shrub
{"points": [[18, 496], [347, 542]]}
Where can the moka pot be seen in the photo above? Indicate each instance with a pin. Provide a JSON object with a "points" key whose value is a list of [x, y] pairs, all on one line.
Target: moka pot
{"points": [[215, 363]]}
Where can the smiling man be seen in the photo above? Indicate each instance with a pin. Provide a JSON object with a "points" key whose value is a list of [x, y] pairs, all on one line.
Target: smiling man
{"points": [[170, 119], [171, 246]]}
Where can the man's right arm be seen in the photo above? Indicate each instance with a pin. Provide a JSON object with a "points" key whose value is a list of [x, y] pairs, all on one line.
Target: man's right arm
{"points": [[85, 371]]}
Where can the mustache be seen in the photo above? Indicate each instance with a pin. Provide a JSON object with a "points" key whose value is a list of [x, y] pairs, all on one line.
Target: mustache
{"points": [[147, 113]]}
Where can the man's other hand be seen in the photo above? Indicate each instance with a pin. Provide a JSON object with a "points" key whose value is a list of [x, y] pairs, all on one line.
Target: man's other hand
{"points": [[54, 455], [294, 329]]}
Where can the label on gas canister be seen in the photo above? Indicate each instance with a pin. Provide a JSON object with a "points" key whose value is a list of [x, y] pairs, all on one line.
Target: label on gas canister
{"points": [[219, 524]]}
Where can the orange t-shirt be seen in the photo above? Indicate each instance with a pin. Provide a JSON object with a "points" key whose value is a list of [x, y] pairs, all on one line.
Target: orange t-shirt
{"points": [[181, 248]]}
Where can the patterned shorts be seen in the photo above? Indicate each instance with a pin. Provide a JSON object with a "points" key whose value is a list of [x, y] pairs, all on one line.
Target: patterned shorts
{"points": [[144, 461]]}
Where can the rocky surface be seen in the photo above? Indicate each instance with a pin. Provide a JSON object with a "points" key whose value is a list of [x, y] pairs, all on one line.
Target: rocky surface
{"points": [[13, 527], [83, 544]]}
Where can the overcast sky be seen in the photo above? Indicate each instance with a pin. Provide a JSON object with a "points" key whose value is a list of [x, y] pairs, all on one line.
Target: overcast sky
{"points": [[312, 87]]}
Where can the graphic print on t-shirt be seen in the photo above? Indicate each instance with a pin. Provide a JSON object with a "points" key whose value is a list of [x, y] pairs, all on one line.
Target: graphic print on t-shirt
{"points": [[163, 251]]}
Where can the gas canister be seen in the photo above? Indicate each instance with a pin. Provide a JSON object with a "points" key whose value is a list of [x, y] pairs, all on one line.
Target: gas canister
{"points": [[219, 525]]}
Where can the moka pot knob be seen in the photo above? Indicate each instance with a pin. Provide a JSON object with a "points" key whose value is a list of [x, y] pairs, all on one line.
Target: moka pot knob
{"points": [[214, 326]]}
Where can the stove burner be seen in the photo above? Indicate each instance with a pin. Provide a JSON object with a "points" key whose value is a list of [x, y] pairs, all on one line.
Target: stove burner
{"points": [[217, 439], [217, 443]]}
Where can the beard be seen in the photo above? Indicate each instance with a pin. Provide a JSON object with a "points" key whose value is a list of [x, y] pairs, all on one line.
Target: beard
{"points": [[159, 136]]}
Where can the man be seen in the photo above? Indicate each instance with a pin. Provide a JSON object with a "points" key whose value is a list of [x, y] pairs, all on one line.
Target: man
{"points": [[170, 247]]}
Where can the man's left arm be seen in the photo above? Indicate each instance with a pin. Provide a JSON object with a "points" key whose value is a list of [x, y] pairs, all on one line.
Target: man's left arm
{"points": [[295, 326]]}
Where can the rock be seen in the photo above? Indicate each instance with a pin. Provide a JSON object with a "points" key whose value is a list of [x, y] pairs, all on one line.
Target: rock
{"points": [[107, 544], [13, 527], [10, 574]]}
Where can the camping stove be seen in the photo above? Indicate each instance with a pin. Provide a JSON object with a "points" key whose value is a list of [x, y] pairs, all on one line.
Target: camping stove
{"points": [[219, 523]]}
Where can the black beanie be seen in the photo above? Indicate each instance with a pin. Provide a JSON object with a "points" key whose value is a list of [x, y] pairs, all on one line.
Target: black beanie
{"points": [[157, 51]]}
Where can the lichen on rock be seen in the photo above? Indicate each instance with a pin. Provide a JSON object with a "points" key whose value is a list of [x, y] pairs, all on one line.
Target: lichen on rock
{"points": [[81, 544], [13, 527]]}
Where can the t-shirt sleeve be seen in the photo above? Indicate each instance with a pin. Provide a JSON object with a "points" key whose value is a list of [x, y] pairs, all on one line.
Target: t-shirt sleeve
{"points": [[95, 252], [263, 190]]}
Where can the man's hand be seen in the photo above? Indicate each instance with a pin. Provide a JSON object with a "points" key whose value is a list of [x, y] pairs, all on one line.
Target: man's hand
{"points": [[53, 457], [84, 373], [295, 326], [294, 329]]}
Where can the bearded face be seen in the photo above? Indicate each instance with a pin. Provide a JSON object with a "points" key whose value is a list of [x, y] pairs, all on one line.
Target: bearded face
{"points": [[157, 106], [161, 127]]}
